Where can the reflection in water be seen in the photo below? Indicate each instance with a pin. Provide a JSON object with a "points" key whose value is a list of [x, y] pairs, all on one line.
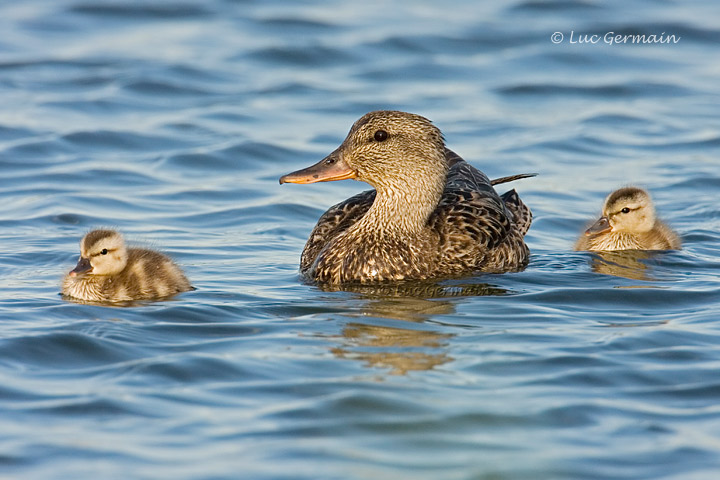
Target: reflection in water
{"points": [[625, 263], [127, 303], [410, 309], [369, 343], [404, 349], [120, 304]]}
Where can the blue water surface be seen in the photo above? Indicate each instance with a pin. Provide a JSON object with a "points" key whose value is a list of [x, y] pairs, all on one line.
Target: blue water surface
{"points": [[172, 121]]}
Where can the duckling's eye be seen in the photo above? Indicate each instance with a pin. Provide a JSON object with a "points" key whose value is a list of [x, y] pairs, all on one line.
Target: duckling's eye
{"points": [[380, 136], [103, 251], [625, 210]]}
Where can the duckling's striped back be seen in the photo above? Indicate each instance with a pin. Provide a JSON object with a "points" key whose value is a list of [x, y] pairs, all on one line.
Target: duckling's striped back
{"points": [[148, 275]]}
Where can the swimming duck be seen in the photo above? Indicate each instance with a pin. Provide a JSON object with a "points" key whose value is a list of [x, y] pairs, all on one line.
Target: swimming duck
{"points": [[431, 214], [628, 222], [109, 272]]}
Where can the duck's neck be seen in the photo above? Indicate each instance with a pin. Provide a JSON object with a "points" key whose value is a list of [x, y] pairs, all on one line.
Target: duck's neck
{"points": [[402, 209]]}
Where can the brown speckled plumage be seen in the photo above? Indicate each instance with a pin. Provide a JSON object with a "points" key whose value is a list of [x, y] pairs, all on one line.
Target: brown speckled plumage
{"points": [[628, 222], [431, 214], [109, 272]]}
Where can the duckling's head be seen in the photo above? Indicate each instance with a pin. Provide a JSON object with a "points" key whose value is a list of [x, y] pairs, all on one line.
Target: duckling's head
{"points": [[102, 252], [627, 210], [390, 150]]}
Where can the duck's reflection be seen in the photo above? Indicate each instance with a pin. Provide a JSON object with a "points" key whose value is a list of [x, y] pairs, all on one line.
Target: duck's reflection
{"points": [[625, 263], [398, 349]]}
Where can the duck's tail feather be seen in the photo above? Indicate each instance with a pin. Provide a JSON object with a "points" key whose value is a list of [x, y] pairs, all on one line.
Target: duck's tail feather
{"points": [[512, 178]]}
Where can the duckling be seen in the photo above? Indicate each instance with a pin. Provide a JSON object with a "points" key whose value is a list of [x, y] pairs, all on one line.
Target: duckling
{"points": [[109, 272], [628, 222], [431, 214]]}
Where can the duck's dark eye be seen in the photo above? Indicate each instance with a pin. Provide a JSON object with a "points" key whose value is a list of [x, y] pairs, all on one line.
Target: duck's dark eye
{"points": [[380, 136], [625, 210], [103, 251]]}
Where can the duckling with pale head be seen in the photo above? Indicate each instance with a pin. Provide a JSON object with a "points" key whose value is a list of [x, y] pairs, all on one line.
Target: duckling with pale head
{"points": [[108, 271], [431, 214], [628, 222]]}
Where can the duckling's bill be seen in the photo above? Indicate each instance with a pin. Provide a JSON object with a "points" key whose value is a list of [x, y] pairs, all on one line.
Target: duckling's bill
{"points": [[601, 226], [329, 169], [82, 266]]}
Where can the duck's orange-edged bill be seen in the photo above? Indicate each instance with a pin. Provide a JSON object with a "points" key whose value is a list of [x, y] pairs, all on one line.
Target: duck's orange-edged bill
{"points": [[328, 169]]}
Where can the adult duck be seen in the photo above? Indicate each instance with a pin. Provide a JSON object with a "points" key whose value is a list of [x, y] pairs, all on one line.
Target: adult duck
{"points": [[431, 214]]}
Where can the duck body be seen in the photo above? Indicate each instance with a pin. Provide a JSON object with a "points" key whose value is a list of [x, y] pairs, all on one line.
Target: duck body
{"points": [[121, 274], [445, 219], [628, 222]]}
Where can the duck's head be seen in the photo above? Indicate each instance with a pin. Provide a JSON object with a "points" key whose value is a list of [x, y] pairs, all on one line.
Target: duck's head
{"points": [[390, 150], [627, 210], [102, 252]]}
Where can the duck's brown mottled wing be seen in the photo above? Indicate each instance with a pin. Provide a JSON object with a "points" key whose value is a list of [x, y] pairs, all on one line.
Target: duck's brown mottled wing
{"points": [[477, 227], [335, 221], [463, 175]]}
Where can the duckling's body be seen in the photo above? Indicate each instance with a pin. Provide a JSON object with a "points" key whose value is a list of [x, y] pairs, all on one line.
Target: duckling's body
{"points": [[108, 271], [628, 222], [431, 214]]}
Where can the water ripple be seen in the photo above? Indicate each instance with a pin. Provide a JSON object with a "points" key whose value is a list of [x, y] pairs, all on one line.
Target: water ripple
{"points": [[148, 11]]}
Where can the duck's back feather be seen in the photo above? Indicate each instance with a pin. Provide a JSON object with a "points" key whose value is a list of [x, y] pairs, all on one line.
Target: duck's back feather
{"points": [[479, 230]]}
